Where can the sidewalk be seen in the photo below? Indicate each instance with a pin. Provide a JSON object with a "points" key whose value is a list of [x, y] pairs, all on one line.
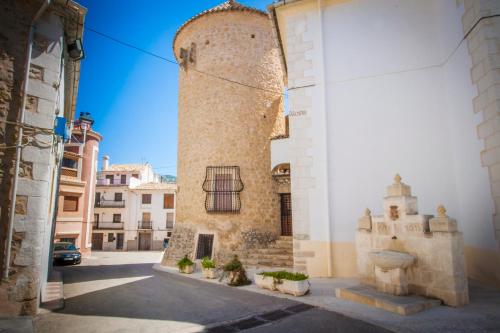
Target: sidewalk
{"points": [[16, 325], [481, 315]]}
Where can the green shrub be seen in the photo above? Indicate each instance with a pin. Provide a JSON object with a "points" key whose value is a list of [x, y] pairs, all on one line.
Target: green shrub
{"points": [[184, 262], [284, 275], [206, 262], [235, 273]]}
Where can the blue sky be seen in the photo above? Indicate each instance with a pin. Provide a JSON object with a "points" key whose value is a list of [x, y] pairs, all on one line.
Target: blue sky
{"points": [[133, 96]]}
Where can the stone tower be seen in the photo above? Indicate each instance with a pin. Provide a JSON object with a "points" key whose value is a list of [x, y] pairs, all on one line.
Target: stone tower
{"points": [[230, 105]]}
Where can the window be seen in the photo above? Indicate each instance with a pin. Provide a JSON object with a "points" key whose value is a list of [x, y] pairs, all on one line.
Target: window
{"points": [[123, 179], [67, 240], [170, 220], [146, 199], [168, 201], [69, 163], [117, 218], [97, 198], [223, 184], [135, 175], [70, 204], [111, 237], [118, 196], [146, 217], [169, 234], [204, 248], [110, 177]]}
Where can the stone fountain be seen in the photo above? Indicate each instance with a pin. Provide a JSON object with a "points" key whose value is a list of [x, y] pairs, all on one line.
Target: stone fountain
{"points": [[402, 252]]}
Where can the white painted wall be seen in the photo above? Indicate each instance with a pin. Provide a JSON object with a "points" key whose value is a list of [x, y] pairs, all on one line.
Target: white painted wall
{"points": [[398, 99]]}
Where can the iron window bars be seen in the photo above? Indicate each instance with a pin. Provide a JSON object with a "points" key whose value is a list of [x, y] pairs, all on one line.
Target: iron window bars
{"points": [[205, 245], [223, 185]]}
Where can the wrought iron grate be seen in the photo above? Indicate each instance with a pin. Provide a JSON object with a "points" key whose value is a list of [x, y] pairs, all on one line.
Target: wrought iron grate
{"points": [[205, 244], [223, 184]]}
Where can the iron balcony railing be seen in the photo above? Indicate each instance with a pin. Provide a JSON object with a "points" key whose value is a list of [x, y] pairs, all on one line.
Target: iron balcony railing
{"points": [[99, 225], [145, 225], [113, 182], [110, 203]]}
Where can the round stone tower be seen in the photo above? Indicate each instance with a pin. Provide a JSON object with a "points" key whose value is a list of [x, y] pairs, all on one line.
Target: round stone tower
{"points": [[230, 105]]}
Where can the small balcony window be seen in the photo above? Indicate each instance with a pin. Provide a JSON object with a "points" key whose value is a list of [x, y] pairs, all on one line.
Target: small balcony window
{"points": [[70, 204], [223, 185], [168, 201]]}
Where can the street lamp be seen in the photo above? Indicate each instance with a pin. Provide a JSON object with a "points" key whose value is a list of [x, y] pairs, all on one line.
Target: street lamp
{"points": [[75, 50]]}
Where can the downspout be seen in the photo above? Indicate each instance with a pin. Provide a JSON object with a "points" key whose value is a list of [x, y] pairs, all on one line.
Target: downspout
{"points": [[27, 66], [325, 113]]}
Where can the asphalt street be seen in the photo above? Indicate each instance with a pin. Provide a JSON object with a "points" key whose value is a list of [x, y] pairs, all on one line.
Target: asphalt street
{"points": [[120, 292]]}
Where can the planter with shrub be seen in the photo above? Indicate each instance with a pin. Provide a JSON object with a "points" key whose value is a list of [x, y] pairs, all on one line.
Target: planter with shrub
{"points": [[185, 265], [209, 270], [296, 284], [235, 273]]}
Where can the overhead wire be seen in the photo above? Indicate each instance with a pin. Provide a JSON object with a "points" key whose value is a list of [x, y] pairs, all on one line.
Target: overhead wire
{"points": [[116, 40]]}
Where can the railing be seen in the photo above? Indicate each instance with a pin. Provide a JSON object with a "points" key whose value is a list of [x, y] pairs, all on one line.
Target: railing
{"points": [[145, 225], [69, 172], [110, 204], [111, 182], [107, 225]]}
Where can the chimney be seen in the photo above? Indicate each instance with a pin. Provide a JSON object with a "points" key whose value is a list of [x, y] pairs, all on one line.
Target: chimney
{"points": [[105, 163]]}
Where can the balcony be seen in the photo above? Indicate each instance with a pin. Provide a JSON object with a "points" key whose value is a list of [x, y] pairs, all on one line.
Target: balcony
{"points": [[69, 172], [145, 225], [110, 204], [110, 182], [98, 225]]}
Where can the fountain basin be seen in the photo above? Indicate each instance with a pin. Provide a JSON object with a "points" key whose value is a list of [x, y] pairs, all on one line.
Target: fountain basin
{"points": [[387, 260]]}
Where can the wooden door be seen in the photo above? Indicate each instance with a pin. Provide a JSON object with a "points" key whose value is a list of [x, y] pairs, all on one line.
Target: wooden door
{"points": [[144, 241], [119, 241], [97, 241], [286, 214]]}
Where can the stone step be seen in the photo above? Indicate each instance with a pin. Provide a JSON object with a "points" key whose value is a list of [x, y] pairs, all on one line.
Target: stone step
{"points": [[286, 238], [269, 256], [268, 262], [279, 244], [275, 251]]}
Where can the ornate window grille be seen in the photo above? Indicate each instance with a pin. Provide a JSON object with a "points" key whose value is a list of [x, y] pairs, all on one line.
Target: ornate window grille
{"points": [[205, 245], [223, 185]]}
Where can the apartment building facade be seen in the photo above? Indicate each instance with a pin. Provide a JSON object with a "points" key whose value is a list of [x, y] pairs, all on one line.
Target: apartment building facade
{"points": [[77, 186], [134, 210]]}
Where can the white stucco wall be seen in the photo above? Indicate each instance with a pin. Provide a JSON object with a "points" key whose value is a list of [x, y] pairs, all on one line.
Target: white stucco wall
{"points": [[396, 89]]}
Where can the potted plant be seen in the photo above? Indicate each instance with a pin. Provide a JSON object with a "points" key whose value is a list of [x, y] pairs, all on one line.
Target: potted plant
{"points": [[235, 273], [185, 265], [209, 270], [296, 284], [264, 281]]}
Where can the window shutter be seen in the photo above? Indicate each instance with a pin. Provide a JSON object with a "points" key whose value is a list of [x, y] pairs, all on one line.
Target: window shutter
{"points": [[168, 201], [70, 204]]}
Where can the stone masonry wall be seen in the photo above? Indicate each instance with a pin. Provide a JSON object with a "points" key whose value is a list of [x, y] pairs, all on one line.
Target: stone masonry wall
{"points": [[484, 48], [226, 124], [20, 294]]}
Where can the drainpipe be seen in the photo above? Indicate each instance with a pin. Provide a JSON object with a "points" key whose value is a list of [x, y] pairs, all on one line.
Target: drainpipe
{"points": [[27, 65]]}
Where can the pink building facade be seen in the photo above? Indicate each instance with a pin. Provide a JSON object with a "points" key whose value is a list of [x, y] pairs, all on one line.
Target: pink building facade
{"points": [[77, 186]]}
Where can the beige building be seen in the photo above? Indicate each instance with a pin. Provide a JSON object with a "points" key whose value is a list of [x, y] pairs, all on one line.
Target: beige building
{"points": [[227, 201]]}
